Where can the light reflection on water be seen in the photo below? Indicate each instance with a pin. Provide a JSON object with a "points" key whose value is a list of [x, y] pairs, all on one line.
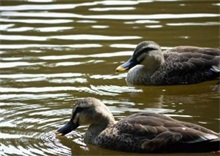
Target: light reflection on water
{"points": [[55, 52], [118, 16], [23, 46], [66, 37]]}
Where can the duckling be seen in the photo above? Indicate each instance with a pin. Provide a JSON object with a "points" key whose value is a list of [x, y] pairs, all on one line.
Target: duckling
{"points": [[177, 66], [140, 132]]}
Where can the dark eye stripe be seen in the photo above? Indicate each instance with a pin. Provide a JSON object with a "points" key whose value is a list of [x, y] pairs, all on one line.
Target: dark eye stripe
{"points": [[78, 110], [141, 57], [139, 54], [144, 50]]}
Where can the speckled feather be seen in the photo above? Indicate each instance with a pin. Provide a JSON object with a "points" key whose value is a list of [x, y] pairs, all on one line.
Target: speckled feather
{"points": [[177, 66], [141, 132], [187, 66], [150, 132]]}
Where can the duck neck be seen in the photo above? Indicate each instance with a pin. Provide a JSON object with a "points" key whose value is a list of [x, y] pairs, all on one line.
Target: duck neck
{"points": [[95, 129], [153, 61], [138, 75], [141, 74]]}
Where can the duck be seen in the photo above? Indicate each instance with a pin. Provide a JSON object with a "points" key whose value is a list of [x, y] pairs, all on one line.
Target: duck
{"points": [[180, 65], [140, 132]]}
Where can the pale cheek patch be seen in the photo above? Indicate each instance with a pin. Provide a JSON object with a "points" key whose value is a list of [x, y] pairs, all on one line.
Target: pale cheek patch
{"points": [[83, 105], [141, 57], [76, 118]]}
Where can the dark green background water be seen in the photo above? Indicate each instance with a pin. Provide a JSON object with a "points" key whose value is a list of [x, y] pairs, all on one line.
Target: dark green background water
{"points": [[53, 52]]}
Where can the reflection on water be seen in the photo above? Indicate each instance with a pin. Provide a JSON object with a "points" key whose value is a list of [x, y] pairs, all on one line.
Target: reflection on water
{"points": [[55, 52]]}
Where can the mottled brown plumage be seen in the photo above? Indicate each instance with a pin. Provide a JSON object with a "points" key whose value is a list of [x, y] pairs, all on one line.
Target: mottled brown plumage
{"points": [[141, 132], [180, 65]]}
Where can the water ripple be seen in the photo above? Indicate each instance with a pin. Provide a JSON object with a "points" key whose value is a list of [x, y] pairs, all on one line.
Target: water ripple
{"points": [[65, 6], [41, 76], [113, 16], [12, 93], [113, 9], [41, 89], [94, 37], [17, 64], [23, 97], [193, 24], [6, 26], [54, 52], [67, 37], [116, 89], [42, 29], [23, 46], [37, 7], [100, 55], [36, 21]]}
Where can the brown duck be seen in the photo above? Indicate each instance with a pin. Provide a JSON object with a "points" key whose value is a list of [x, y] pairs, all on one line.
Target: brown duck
{"points": [[141, 132], [177, 66]]}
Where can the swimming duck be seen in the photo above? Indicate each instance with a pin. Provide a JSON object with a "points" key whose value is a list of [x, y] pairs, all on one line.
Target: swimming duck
{"points": [[180, 65], [141, 132]]}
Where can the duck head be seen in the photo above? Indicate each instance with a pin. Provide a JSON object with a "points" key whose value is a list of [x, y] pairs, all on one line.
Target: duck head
{"points": [[147, 53], [87, 111]]}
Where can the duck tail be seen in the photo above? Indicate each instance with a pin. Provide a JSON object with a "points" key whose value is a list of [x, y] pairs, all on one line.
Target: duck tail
{"points": [[216, 69], [214, 145], [204, 146]]}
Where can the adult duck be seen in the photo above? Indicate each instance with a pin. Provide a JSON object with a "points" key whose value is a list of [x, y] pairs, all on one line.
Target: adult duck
{"points": [[181, 65], [141, 132]]}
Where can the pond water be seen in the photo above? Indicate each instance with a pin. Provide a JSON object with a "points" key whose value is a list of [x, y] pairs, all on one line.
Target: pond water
{"points": [[53, 52]]}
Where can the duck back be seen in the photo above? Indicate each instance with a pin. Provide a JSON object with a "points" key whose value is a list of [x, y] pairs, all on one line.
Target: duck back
{"points": [[156, 133], [187, 65]]}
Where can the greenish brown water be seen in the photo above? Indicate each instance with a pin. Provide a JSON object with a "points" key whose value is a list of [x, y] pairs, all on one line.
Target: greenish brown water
{"points": [[53, 52]]}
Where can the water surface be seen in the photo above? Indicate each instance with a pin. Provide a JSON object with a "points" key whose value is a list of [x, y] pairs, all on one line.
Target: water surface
{"points": [[54, 52]]}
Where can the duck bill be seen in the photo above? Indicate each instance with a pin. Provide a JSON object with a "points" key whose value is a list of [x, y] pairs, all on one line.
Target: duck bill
{"points": [[68, 127], [127, 65]]}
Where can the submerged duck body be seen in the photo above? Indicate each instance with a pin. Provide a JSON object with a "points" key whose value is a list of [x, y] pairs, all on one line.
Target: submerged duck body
{"points": [[141, 132], [180, 65]]}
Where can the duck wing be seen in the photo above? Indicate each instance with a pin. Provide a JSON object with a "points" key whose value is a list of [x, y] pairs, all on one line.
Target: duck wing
{"points": [[184, 65], [150, 132], [194, 49]]}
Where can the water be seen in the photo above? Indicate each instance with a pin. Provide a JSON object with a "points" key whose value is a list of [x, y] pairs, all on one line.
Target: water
{"points": [[55, 52]]}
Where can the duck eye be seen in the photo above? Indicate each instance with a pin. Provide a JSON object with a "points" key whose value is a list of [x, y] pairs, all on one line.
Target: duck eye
{"points": [[79, 109], [143, 53], [146, 49]]}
